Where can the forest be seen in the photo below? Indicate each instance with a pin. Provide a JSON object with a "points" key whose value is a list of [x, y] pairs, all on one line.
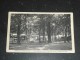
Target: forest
{"points": [[40, 28]]}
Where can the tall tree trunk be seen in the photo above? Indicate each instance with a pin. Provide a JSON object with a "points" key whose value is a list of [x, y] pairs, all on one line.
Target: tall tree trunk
{"points": [[49, 32], [18, 32], [26, 34], [65, 35], [44, 32], [52, 33], [25, 21], [43, 35], [67, 28], [39, 34]]}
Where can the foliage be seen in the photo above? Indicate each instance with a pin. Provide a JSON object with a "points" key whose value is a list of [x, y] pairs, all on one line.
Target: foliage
{"points": [[41, 25]]}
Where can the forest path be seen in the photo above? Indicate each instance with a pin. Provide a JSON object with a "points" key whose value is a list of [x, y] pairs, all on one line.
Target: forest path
{"points": [[42, 46]]}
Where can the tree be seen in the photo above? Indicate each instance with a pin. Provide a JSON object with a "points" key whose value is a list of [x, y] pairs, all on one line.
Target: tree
{"points": [[16, 25], [49, 27], [19, 27], [63, 25]]}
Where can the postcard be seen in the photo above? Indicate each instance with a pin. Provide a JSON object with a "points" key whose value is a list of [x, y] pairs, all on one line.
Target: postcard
{"points": [[40, 32]]}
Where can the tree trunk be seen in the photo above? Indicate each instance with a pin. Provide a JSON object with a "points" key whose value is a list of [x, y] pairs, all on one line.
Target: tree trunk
{"points": [[39, 34], [49, 32], [43, 35], [65, 35], [25, 21], [18, 32], [52, 33], [44, 32]]}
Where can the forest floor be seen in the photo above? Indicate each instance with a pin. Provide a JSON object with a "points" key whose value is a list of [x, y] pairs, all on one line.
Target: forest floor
{"points": [[42, 46]]}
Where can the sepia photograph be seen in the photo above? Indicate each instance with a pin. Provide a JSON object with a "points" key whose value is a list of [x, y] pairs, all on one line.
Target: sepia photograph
{"points": [[40, 32]]}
